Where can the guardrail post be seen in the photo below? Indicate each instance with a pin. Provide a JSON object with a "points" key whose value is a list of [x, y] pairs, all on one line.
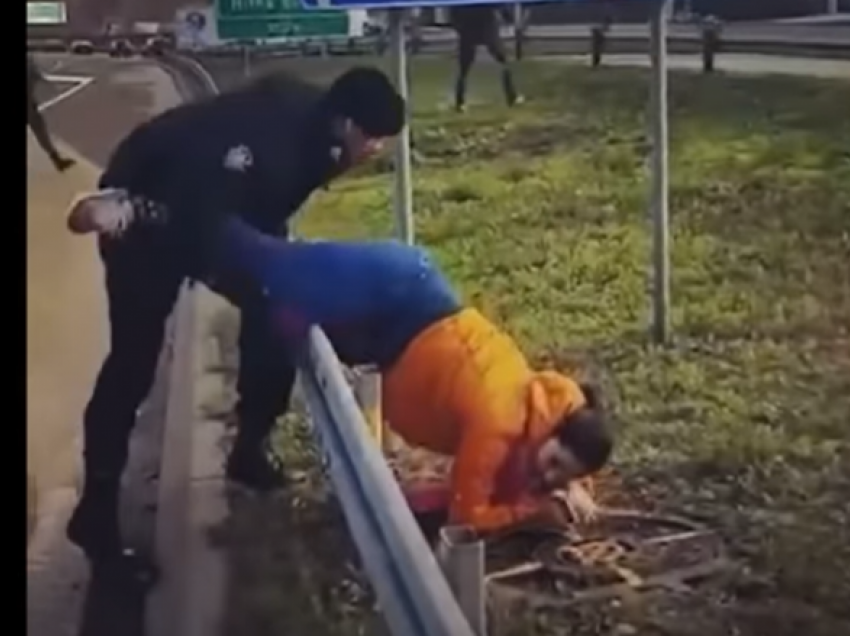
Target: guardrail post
{"points": [[598, 39], [403, 195], [367, 391], [710, 45], [660, 180], [415, 33], [461, 556], [246, 60]]}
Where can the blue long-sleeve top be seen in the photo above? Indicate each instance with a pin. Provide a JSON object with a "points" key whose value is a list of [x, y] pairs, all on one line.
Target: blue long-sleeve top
{"points": [[371, 297]]}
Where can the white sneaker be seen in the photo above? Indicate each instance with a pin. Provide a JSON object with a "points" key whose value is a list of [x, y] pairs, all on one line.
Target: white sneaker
{"points": [[108, 212]]}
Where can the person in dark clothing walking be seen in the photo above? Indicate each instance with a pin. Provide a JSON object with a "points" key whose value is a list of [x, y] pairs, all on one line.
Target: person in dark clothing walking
{"points": [[258, 153], [36, 122], [479, 25]]}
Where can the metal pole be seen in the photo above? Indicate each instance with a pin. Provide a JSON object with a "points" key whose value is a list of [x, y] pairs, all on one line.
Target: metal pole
{"points": [[246, 61], [659, 197], [367, 391], [403, 201], [461, 556], [832, 7], [518, 31]]}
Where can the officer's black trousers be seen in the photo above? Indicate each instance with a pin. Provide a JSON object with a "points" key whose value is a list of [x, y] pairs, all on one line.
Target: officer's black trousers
{"points": [[467, 48], [144, 273]]}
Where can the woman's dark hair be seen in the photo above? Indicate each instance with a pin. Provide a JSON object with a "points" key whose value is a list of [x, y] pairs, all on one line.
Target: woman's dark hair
{"points": [[591, 396], [586, 432], [367, 97]]}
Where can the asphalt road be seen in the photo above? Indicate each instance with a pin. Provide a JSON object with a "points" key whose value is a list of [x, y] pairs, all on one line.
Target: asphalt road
{"points": [[92, 120], [229, 71], [122, 95], [814, 34], [48, 90], [811, 41]]}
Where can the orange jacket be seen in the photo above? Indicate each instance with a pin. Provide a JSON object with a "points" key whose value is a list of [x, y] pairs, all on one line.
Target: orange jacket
{"points": [[463, 388]]}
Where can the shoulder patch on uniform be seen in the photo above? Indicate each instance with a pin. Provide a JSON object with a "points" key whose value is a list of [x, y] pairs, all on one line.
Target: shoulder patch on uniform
{"points": [[239, 158]]}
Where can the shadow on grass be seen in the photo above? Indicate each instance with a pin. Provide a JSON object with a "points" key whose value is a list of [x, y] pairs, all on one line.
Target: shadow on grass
{"points": [[293, 568]]}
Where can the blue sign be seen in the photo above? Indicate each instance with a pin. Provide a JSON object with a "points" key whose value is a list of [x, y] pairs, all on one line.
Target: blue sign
{"points": [[196, 20], [400, 4]]}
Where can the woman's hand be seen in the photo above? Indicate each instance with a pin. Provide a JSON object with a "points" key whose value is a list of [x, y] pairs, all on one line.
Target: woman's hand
{"points": [[578, 504]]}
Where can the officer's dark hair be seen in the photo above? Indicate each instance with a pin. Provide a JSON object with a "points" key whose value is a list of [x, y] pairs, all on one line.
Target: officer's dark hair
{"points": [[586, 432], [367, 97]]}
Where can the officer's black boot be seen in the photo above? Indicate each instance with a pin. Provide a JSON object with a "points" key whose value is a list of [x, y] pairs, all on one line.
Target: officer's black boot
{"points": [[94, 525], [460, 94], [59, 162], [255, 466], [94, 528], [511, 95], [63, 163]]}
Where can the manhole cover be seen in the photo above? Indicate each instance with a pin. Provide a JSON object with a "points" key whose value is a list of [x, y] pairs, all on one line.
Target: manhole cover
{"points": [[624, 553]]}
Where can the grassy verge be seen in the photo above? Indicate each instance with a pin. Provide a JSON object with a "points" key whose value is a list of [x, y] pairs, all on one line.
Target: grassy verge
{"points": [[539, 215]]}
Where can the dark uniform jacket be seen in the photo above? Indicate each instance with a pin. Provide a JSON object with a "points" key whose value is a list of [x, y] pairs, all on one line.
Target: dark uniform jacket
{"points": [[257, 153]]}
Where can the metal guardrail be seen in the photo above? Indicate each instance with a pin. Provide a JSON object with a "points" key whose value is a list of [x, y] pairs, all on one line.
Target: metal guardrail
{"points": [[413, 593]]}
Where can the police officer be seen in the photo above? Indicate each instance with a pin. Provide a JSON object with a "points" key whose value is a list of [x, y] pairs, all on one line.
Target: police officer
{"points": [[258, 152], [479, 25], [36, 122]]}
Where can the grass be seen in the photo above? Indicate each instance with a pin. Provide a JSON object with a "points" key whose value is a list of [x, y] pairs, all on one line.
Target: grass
{"points": [[539, 215]]}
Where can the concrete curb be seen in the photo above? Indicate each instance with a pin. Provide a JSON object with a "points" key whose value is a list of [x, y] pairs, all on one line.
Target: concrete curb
{"points": [[189, 600]]}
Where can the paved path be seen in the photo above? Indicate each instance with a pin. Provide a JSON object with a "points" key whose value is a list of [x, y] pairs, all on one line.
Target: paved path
{"points": [[67, 330], [66, 313], [123, 94], [66, 341], [812, 34], [738, 63], [174, 468]]}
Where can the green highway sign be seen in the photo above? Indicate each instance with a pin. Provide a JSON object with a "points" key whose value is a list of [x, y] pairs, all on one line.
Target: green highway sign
{"points": [[266, 19]]}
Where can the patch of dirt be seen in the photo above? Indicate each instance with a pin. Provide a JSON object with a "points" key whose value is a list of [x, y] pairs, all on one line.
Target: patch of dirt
{"points": [[621, 557]]}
